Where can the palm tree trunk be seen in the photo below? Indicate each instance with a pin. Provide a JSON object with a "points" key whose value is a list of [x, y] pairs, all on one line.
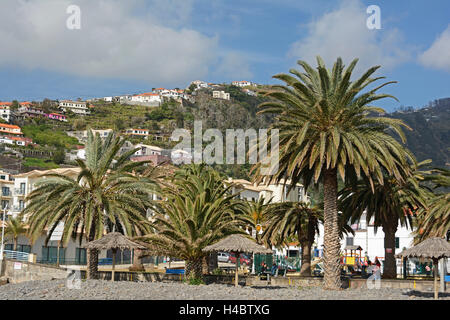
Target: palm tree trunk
{"points": [[332, 245], [92, 258], [390, 266], [305, 270], [92, 263], [15, 243], [137, 262], [193, 268]]}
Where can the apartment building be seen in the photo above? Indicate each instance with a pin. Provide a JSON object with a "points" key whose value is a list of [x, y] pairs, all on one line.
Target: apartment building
{"points": [[241, 83], [10, 129], [20, 141], [83, 135], [57, 116], [137, 132], [78, 107], [6, 185], [221, 95], [5, 111]]}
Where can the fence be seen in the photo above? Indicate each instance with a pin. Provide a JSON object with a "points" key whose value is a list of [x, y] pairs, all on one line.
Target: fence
{"points": [[16, 255]]}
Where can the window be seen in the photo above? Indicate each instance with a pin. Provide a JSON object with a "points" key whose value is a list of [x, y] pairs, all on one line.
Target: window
{"points": [[349, 241], [397, 242], [20, 247], [80, 256], [5, 203], [50, 254], [22, 188], [5, 191], [21, 204]]}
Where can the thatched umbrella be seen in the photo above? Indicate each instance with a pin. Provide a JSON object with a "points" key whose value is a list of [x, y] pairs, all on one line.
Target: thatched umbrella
{"points": [[432, 248], [113, 241], [237, 244]]}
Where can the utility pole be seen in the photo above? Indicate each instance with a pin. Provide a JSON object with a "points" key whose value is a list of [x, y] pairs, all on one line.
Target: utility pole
{"points": [[3, 234]]}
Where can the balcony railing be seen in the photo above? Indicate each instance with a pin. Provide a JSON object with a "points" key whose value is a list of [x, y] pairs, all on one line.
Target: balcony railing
{"points": [[19, 191]]}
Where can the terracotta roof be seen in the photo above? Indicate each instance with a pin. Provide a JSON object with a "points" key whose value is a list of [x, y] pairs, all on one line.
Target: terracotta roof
{"points": [[11, 126]]}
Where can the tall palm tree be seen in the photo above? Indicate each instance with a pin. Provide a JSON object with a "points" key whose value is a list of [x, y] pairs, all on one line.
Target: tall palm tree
{"points": [[328, 126], [389, 205], [435, 222], [290, 219], [15, 227], [105, 196], [199, 210]]}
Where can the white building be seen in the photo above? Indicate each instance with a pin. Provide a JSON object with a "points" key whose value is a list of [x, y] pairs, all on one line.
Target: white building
{"points": [[146, 150], [148, 97], [77, 107], [199, 84], [83, 135], [372, 243], [241, 83], [5, 111], [138, 132], [221, 95]]}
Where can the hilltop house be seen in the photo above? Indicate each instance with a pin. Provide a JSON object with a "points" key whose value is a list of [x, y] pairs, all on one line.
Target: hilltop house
{"points": [[20, 141], [57, 116], [221, 95], [148, 97], [5, 111], [10, 129], [138, 132], [241, 83], [78, 107]]}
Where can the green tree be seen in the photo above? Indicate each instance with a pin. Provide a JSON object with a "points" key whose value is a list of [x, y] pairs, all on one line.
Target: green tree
{"points": [[389, 205], [15, 227], [434, 221], [105, 196], [328, 125], [255, 215], [198, 211], [290, 219], [59, 156]]}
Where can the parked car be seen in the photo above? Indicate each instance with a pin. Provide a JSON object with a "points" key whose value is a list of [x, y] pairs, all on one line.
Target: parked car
{"points": [[223, 257], [243, 259]]}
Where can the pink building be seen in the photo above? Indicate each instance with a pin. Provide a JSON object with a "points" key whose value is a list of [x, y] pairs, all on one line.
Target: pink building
{"points": [[57, 116]]}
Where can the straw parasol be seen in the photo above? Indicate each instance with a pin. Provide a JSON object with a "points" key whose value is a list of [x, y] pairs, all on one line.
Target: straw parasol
{"points": [[113, 241], [237, 244], [432, 248]]}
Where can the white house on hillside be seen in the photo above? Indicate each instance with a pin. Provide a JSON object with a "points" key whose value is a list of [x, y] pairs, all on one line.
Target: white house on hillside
{"points": [[78, 107]]}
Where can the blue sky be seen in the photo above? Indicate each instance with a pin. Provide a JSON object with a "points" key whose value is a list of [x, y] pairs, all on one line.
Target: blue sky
{"points": [[132, 46]]}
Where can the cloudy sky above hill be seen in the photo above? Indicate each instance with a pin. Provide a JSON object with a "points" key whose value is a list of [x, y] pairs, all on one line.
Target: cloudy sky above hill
{"points": [[134, 45]]}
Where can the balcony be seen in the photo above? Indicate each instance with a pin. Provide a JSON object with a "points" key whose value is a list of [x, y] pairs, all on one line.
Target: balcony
{"points": [[19, 192]]}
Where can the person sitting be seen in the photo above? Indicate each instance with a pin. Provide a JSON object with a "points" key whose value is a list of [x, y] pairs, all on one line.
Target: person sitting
{"points": [[274, 269]]}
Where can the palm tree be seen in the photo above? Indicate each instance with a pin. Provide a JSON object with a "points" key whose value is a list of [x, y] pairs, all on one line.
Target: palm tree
{"points": [[199, 210], [327, 125], [15, 227], [435, 222], [105, 196], [255, 215], [290, 219], [389, 205]]}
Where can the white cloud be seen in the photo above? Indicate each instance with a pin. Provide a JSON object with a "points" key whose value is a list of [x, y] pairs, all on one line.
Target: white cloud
{"points": [[234, 65], [438, 55], [118, 39], [344, 33]]}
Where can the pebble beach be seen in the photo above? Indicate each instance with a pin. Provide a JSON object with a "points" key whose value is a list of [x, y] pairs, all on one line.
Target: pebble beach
{"points": [[125, 290]]}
